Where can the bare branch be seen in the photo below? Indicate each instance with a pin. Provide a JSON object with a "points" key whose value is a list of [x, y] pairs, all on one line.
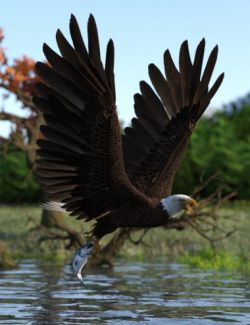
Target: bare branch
{"points": [[140, 240], [228, 234], [21, 96], [18, 120], [201, 233], [25, 99], [4, 140], [203, 185]]}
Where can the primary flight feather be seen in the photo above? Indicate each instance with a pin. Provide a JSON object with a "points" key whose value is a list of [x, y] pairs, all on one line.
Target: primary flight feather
{"points": [[84, 164]]}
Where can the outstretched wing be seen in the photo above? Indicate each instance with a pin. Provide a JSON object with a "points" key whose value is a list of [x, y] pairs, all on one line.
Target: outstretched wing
{"points": [[80, 162], [154, 145]]}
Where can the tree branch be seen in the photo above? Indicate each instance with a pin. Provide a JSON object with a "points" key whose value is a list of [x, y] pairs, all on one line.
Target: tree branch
{"points": [[25, 99], [140, 240], [203, 185], [4, 140], [18, 120]]}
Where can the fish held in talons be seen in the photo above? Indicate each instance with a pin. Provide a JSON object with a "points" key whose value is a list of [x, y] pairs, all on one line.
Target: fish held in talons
{"points": [[81, 258]]}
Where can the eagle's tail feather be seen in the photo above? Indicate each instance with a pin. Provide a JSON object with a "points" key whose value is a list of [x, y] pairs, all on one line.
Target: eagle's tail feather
{"points": [[53, 206]]}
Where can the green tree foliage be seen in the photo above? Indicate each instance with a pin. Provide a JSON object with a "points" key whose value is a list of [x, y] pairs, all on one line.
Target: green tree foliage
{"points": [[17, 182], [220, 143]]}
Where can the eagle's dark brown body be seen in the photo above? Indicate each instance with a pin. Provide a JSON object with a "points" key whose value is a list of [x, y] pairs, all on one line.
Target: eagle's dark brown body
{"points": [[139, 216], [83, 161]]}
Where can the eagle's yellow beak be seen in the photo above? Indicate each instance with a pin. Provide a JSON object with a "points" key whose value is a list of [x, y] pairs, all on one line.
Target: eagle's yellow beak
{"points": [[188, 205]]}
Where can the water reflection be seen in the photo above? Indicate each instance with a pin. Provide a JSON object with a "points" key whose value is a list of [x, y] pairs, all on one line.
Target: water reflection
{"points": [[44, 293]]}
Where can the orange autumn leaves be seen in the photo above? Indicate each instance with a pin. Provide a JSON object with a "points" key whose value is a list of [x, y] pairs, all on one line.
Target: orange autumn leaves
{"points": [[3, 59], [17, 76]]}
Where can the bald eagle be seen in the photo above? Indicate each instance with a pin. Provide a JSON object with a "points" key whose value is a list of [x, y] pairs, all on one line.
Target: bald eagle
{"points": [[84, 163]]}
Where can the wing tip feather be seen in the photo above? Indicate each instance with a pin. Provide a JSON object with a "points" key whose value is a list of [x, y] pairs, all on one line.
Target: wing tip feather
{"points": [[91, 20], [72, 18]]}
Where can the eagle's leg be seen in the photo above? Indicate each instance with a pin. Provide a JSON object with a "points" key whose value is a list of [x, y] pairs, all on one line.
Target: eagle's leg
{"points": [[103, 226]]}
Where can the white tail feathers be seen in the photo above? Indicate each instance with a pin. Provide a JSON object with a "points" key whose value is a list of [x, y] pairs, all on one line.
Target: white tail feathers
{"points": [[54, 206]]}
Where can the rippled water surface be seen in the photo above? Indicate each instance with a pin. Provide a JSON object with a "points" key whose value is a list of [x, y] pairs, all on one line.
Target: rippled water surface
{"points": [[131, 293]]}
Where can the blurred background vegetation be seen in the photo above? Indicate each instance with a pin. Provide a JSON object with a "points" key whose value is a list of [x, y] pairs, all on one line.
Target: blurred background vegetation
{"points": [[220, 145]]}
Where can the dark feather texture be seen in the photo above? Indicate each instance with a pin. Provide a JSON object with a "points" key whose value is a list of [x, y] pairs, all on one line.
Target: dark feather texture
{"points": [[83, 163], [169, 119], [81, 153]]}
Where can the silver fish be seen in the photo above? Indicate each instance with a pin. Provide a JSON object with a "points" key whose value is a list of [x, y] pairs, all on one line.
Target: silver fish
{"points": [[81, 258]]}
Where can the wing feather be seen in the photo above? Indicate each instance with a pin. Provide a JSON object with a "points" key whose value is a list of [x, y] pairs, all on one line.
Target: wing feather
{"points": [[155, 143], [109, 66], [77, 39], [80, 161]]}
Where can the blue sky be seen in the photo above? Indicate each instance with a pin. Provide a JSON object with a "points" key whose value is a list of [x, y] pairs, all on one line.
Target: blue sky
{"points": [[142, 30]]}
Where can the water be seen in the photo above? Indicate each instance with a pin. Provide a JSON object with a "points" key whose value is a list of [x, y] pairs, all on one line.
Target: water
{"points": [[131, 293]]}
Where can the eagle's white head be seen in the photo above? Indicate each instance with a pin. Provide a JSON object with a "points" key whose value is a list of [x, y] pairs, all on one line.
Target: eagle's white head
{"points": [[175, 205]]}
